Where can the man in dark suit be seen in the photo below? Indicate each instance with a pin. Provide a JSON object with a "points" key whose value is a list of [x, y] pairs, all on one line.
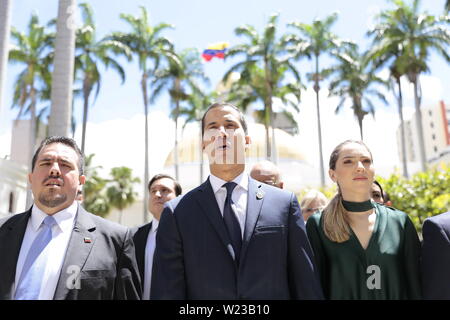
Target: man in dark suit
{"points": [[436, 257], [232, 237], [161, 188], [56, 249]]}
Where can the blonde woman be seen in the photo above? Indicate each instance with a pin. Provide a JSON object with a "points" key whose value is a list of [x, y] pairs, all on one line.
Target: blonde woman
{"points": [[363, 250], [312, 201]]}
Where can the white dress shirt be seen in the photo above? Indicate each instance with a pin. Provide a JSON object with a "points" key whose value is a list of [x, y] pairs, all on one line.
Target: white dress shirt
{"points": [[239, 196], [56, 248], [149, 251]]}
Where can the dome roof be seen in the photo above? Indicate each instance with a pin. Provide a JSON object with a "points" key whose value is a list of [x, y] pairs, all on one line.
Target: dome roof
{"points": [[287, 146]]}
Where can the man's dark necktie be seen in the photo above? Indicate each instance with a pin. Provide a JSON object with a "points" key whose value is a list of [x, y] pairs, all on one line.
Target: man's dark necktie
{"points": [[231, 221]]}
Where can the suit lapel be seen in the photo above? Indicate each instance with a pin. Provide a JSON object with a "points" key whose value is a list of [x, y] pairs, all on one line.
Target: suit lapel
{"points": [[80, 244], [11, 237], [254, 203], [207, 201], [140, 242]]}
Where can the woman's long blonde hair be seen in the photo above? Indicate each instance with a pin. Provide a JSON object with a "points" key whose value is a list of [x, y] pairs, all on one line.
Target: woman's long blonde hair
{"points": [[335, 220]]}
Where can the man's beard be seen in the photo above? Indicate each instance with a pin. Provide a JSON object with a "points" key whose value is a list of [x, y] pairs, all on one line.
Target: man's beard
{"points": [[52, 199]]}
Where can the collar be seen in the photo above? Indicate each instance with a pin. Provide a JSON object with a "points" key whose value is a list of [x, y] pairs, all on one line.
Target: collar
{"points": [[155, 224], [217, 183], [64, 218]]}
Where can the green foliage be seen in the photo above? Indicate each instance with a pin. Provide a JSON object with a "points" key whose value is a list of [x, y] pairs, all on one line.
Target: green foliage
{"points": [[328, 191], [121, 192], [101, 195], [94, 190], [424, 195], [265, 71]]}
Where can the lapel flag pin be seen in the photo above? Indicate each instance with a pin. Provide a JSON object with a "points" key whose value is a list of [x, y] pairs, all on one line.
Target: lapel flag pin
{"points": [[87, 240]]}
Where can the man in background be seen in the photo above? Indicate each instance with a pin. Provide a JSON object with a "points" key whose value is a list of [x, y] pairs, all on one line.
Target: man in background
{"points": [[161, 188], [268, 173]]}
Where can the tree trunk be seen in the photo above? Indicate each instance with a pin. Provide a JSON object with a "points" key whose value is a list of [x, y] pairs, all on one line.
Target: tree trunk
{"points": [[120, 216], [268, 110], [360, 124], [32, 141], [201, 152], [274, 147], [86, 92], [266, 126], [177, 110], [144, 95], [62, 78], [402, 127], [319, 127], [423, 159], [5, 19]]}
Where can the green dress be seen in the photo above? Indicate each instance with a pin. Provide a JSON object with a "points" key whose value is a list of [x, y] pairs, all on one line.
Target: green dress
{"points": [[387, 269]]}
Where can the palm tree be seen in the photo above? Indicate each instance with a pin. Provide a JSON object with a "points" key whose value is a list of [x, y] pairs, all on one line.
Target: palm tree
{"points": [[417, 34], [150, 47], [316, 39], [180, 78], [33, 50], [92, 53], [197, 104], [269, 54], [354, 80], [121, 193], [5, 19], [250, 88], [61, 93], [384, 51], [94, 190]]}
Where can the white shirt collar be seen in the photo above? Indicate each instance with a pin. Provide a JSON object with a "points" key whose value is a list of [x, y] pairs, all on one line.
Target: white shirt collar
{"points": [[155, 224], [217, 183], [64, 218]]}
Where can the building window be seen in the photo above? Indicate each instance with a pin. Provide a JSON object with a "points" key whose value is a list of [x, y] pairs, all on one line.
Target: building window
{"points": [[432, 124], [435, 149], [433, 136], [430, 112], [11, 202]]}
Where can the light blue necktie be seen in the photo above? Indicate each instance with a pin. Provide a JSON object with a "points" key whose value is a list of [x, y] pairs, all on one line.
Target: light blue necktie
{"points": [[33, 269]]}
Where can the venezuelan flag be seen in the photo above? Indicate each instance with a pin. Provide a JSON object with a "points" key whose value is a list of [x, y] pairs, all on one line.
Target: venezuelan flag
{"points": [[215, 50]]}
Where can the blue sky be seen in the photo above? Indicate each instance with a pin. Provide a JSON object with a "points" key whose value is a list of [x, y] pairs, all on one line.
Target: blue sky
{"points": [[197, 24]]}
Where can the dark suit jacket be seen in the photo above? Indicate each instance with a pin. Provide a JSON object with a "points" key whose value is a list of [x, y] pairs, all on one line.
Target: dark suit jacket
{"points": [[140, 236], [107, 264], [193, 260], [436, 257]]}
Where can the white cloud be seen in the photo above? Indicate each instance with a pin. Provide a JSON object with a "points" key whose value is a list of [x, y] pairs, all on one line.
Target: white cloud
{"points": [[120, 142], [379, 133]]}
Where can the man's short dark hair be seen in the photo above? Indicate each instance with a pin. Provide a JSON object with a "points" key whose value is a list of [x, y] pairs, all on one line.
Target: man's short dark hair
{"points": [[177, 185], [225, 104], [63, 140]]}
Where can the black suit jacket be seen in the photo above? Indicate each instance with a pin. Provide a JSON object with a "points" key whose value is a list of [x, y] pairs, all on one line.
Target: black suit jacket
{"points": [[140, 236], [107, 266], [193, 257], [435, 264]]}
